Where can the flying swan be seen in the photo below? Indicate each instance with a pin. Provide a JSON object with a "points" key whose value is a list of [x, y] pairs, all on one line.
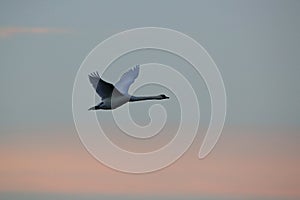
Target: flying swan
{"points": [[115, 96]]}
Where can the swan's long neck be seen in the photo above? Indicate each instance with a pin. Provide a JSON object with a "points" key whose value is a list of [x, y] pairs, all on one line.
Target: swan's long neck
{"points": [[144, 98]]}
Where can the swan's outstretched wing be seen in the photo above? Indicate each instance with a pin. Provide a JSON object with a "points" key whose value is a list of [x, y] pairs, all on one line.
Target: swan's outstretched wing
{"points": [[103, 88], [127, 79]]}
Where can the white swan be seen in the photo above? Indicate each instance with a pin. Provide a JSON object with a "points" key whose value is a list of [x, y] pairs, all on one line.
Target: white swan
{"points": [[115, 96]]}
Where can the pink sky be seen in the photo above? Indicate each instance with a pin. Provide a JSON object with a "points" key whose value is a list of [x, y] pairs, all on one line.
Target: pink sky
{"points": [[241, 164]]}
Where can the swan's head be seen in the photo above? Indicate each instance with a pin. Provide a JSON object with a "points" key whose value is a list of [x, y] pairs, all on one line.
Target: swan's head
{"points": [[164, 96]]}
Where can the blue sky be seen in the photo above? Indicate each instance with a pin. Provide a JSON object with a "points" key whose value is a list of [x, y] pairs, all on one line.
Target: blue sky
{"points": [[255, 44]]}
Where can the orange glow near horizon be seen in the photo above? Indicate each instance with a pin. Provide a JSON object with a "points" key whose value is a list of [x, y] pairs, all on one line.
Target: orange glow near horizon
{"points": [[238, 166]]}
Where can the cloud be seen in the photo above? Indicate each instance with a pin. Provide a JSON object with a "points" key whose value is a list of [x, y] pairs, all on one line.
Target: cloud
{"points": [[11, 31]]}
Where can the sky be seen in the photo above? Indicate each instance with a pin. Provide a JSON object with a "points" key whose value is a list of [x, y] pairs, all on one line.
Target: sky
{"points": [[256, 47]]}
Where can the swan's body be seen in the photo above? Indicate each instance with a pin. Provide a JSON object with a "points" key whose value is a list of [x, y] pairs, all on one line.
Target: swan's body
{"points": [[115, 96]]}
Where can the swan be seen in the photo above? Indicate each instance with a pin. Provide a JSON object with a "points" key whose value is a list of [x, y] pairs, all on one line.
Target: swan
{"points": [[115, 96]]}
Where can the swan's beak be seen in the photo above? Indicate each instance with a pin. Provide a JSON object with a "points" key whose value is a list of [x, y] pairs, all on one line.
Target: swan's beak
{"points": [[164, 96]]}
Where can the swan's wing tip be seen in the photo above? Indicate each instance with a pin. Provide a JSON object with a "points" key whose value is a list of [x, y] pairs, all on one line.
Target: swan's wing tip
{"points": [[94, 75], [127, 79]]}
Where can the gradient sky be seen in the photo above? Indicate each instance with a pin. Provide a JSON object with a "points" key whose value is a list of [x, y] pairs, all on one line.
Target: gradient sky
{"points": [[256, 46]]}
